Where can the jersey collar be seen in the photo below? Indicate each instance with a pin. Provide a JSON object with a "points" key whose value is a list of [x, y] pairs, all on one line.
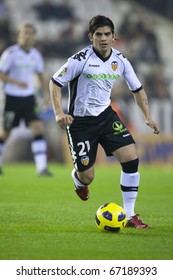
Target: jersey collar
{"points": [[25, 51], [101, 57]]}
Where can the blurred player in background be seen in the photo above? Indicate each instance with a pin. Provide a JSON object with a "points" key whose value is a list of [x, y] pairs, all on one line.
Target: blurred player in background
{"points": [[91, 74], [18, 64]]}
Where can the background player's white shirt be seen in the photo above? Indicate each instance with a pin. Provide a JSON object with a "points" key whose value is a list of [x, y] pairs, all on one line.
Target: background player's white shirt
{"points": [[21, 66], [91, 79]]}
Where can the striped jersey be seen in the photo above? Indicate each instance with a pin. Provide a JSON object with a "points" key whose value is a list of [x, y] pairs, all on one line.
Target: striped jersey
{"points": [[21, 66], [90, 79]]}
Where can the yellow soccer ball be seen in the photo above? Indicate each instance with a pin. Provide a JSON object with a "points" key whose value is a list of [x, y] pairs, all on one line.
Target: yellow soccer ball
{"points": [[110, 217]]}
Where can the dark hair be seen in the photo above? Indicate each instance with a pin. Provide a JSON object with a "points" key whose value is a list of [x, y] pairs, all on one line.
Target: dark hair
{"points": [[100, 21], [27, 25]]}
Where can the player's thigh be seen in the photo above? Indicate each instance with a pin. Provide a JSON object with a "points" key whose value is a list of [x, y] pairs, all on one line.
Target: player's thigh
{"points": [[83, 147], [126, 153], [31, 116], [116, 136], [12, 113]]}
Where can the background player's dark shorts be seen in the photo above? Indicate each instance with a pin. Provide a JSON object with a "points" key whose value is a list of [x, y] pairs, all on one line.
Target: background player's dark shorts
{"points": [[86, 133], [17, 108]]}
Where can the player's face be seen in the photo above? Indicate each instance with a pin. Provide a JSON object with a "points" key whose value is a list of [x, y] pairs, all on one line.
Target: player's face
{"points": [[102, 40], [26, 37]]}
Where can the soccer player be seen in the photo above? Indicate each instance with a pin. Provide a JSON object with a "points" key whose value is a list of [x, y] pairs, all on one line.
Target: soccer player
{"points": [[18, 64], [91, 74]]}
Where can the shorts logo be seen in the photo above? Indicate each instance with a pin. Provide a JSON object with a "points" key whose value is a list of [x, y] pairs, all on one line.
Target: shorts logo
{"points": [[118, 127], [85, 160], [8, 119]]}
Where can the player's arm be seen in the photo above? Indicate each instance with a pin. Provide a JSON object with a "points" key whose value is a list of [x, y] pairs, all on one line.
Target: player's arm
{"points": [[56, 97], [142, 101], [6, 62], [139, 94], [7, 79]]}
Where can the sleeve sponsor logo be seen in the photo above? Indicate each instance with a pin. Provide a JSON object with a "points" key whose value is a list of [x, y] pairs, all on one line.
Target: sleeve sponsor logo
{"points": [[63, 72]]}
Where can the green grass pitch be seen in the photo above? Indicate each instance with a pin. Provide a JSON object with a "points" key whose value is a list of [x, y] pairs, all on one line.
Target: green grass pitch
{"points": [[43, 219]]}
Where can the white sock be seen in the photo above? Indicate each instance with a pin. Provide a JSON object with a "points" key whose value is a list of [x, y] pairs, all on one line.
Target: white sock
{"points": [[75, 179], [39, 150], [129, 186]]}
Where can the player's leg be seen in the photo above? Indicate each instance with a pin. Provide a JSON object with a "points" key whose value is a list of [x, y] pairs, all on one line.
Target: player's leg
{"points": [[1, 153], [130, 177], [129, 182], [83, 147], [38, 144], [3, 137], [39, 147], [81, 181], [117, 140], [10, 120]]}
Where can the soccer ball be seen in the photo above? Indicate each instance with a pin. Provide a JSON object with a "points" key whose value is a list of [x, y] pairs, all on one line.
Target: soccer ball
{"points": [[110, 217]]}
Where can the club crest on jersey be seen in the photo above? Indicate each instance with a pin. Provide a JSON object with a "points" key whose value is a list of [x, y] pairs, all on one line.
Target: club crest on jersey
{"points": [[114, 65], [85, 160], [63, 72]]}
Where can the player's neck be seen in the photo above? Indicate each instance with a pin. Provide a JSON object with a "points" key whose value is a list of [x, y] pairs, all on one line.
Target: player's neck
{"points": [[25, 47], [103, 55]]}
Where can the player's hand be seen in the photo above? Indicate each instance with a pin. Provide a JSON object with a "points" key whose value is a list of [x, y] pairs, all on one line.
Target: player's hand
{"points": [[64, 120], [21, 84], [153, 125]]}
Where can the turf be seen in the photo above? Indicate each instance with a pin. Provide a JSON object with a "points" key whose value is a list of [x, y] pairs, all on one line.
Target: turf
{"points": [[43, 219]]}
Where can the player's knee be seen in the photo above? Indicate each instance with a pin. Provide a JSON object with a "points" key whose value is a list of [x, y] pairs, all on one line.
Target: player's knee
{"points": [[4, 134], [130, 166], [38, 137], [86, 177], [37, 127]]}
